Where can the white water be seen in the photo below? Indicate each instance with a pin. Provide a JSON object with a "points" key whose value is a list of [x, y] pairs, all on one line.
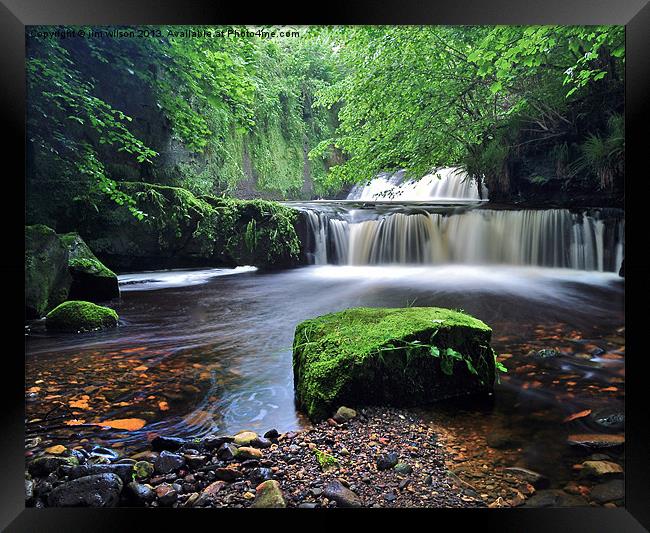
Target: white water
{"points": [[164, 279], [592, 240], [442, 184]]}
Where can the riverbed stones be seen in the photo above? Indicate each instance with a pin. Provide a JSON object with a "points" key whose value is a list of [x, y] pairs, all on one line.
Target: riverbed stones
{"points": [[143, 469], [610, 491], [166, 494], [139, 494], [246, 452], [168, 462], [600, 469], [227, 451], [343, 414], [269, 495], [100, 490], [596, 441], [343, 496], [403, 356], [124, 471], [227, 474], [403, 469], [170, 444], [245, 438], [42, 466], [537, 480]]}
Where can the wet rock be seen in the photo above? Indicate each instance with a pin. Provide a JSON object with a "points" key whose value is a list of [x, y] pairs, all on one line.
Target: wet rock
{"points": [[143, 469], [170, 444], [343, 414], [262, 442], [168, 462], [227, 474], [104, 453], [42, 466], [600, 469], [139, 494], [29, 491], [271, 434], [269, 495], [555, 498], [211, 490], [246, 452], [258, 475], [537, 480], [245, 438], [125, 472], [227, 451], [547, 353], [100, 490], [387, 461], [594, 441], [212, 441], [308, 505], [343, 496], [166, 494], [195, 462], [609, 419], [611, 491], [403, 468]]}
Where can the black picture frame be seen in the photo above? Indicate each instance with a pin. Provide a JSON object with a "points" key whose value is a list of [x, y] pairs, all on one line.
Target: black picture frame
{"points": [[634, 14]]}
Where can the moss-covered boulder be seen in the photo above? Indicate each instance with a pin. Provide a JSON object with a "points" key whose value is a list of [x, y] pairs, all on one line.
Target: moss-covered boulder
{"points": [[47, 280], [379, 356], [91, 280], [77, 315]]}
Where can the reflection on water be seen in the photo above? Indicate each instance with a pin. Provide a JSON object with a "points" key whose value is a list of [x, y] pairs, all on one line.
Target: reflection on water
{"points": [[212, 352]]}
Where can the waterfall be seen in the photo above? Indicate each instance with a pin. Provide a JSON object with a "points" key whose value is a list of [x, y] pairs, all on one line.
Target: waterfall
{"points": [[442, 184], [592, 240]]}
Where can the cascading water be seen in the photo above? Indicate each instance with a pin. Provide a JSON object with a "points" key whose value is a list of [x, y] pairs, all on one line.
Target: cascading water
{"points": [[442, 184], [412, 234]]}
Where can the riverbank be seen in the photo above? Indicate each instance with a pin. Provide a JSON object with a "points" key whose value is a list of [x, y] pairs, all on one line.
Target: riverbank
{"points": [[378, 457]]}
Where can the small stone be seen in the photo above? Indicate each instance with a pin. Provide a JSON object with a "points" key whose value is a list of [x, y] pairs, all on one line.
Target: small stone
{"points": [[589, 440], [611, 491], [195, 462], [387, 461], [227, 451], [343, 496], [249, 495], [271, 434], [269, 495], [390, 497], [42, 466], [168, 462], [227, 474], [343, 414], [245, 438], [248, 453], [211, 490], [258, 475], [56, 450], [139, 494], [212, 441], [170, 444], [600, 469], [308, 505], [167, 495], [403, 468], [537, 480], [143, 469]]}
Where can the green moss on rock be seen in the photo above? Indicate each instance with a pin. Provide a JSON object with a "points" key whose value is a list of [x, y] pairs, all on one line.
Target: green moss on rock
{"points": [[383, 356], [47, 280], [91, 280], [77, 315]]}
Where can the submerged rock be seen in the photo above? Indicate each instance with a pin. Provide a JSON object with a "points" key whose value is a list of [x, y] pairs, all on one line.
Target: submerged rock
{"points": [[611, 491], [47, 280], [80, 316], [100, 490], [408, 356], [600, 469], [387, 461], [589, 440]]}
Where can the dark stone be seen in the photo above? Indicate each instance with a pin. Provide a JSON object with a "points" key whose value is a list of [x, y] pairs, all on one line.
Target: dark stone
{"points": [[261, 442], [139, 494], [167, 495], [106, 453], [168, 462], [212, 441], [100, 490], [308, 505], [227, 451], [387, 461], [258, 475], [271, 434], [227, 474], [170, 444], [196, 461], [537, 480], [609, 418], [42, 466], [124, 471], [555, 498], [611, 491], [344, 497]]}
